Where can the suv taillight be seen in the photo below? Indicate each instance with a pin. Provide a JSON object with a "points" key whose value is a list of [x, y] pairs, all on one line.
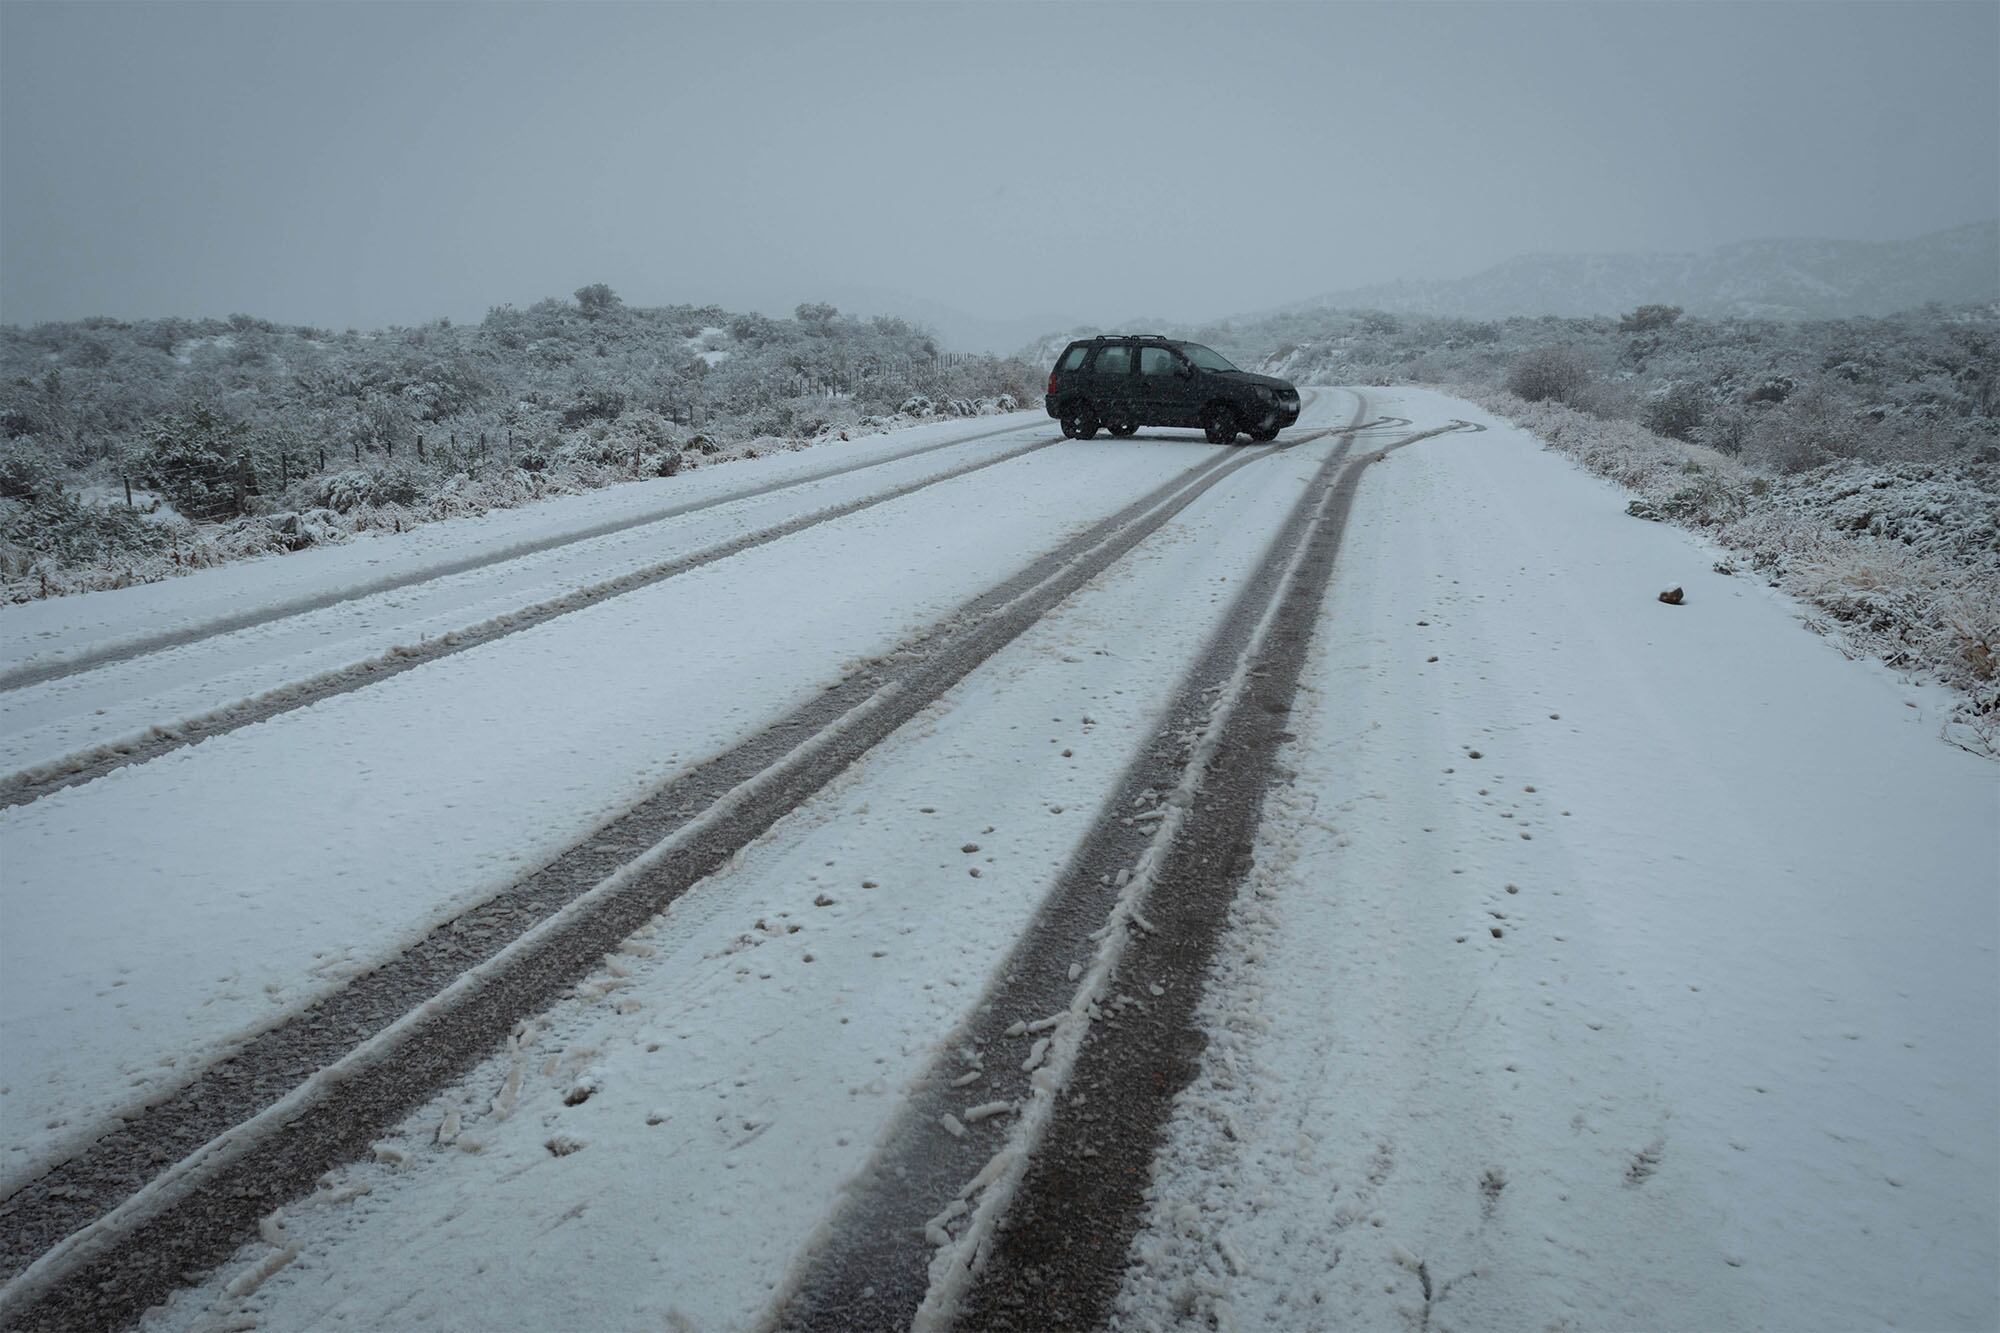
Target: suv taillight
{"points": [[1052, 381]]}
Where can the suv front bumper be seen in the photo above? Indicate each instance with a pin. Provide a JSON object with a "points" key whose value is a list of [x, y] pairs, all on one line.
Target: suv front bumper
{"points": [[1279, 415]]}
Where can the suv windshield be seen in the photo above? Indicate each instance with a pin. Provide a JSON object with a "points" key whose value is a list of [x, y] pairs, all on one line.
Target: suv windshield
{"points": [[1204, 358]]}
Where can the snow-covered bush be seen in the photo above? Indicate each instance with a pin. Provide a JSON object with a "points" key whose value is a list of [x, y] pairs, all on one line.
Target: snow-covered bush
{"points": [[351, 488], [1676, 412], [27, 470], [60, 530], [194, 458], [1549, 373], [1649, 317]]}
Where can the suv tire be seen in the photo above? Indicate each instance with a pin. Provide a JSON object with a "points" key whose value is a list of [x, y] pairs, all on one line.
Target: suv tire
{"points": [[1218, 422], [1078, 421], [1123, 429], [1265, 436]]}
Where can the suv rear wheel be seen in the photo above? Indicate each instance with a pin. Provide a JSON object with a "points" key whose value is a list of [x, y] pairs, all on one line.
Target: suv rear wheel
{"points": [[1078, 421], [1219, 423], [1266, 435]]}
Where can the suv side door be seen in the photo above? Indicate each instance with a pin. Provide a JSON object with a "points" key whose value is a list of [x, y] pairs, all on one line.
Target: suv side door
{"points": [[1166, 388], [1112, 384]]}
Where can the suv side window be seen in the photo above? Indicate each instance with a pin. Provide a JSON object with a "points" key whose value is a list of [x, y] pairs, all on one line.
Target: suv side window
{"points": [[1074, 358], [1157, 361], [1114, 359]]}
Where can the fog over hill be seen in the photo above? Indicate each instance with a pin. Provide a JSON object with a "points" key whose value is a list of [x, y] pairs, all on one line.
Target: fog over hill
{"points": [[1773, 279]]}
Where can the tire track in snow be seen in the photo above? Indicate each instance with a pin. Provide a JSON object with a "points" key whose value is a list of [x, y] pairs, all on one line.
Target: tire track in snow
{"points": [[1088, 1034], [89, 659], [98, 1239], [85, 766], [1092, 1162]]}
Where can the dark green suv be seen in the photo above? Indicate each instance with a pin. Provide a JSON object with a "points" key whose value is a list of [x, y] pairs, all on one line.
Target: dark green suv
{"points": [[1125, 381]]}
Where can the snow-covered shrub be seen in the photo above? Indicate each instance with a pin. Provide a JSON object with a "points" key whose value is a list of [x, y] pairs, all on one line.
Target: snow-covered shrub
{"points": [[193, 457], [1808, 429], [27, 470], [595, 402], [1555, 372], [61, 529], [1649, 317], [351, 488], [1677, 411]]}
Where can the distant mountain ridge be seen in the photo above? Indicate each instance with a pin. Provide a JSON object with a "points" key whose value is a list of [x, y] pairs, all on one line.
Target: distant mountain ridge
{"points": [[1774, 279]]}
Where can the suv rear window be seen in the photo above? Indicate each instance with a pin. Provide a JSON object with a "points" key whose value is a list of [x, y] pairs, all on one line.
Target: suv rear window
{"points": [[1114, 360], [1074, 357]]}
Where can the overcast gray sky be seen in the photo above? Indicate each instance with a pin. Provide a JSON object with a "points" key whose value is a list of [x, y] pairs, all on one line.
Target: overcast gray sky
{"points": [[360, 164]]}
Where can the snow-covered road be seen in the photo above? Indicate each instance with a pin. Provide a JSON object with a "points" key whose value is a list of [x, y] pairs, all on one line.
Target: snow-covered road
{"points": [[1604, 963], [166, 910], [1608, 963]]}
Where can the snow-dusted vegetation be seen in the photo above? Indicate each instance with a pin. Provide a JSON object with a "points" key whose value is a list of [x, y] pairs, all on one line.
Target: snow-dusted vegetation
{"points": [[133, 451]]}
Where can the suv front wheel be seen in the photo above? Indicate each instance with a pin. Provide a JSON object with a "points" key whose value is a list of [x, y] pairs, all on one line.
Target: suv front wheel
{"points": [[1078, 421], [1220, 425]]}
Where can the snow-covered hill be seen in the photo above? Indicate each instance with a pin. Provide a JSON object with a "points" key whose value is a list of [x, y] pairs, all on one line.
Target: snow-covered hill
{"points": [[1785, 278]]}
